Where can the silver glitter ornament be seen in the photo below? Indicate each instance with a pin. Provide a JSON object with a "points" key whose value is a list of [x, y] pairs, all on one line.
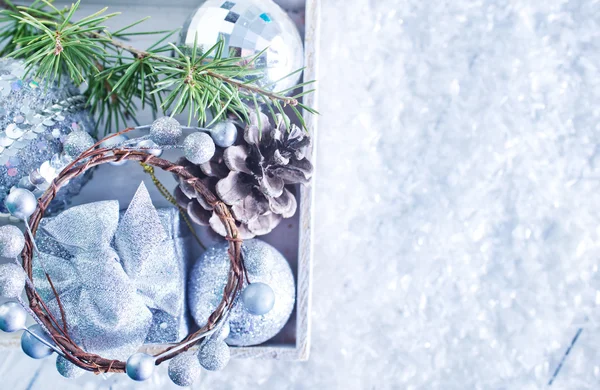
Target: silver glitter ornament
{"points": [[184, 369], [198, 148], [224, 134], [78, 142], [12, 241], [166, 131], [21, 203], [68, 369], [35, 118], [258, 298], [214, 355], [140, 366], [33, 347], [258, 259], [12, 317], [207, 281], [12, 280], [247, 28]]}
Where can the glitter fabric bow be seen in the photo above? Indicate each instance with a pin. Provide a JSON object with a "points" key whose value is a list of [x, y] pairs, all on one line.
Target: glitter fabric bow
{"points": [[110, 275]]}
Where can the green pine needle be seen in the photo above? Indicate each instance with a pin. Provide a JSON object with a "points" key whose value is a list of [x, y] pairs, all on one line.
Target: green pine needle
{"points": [[205, 84]]}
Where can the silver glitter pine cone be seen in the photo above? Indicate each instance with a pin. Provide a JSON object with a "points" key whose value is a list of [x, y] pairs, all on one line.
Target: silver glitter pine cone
{"points": [[247, 28], [35, 120], [256, 178], [207, 281]]}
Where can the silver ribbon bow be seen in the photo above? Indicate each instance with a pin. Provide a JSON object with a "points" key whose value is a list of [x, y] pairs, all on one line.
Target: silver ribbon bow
{"points": [[109, 274]]}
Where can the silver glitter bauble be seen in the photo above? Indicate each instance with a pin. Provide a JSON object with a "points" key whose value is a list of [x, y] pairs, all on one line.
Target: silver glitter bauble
{"points": [[150, 147], [258, 298], [207, 281], [214, 355], [258, 259], [248, 27], [12, 317], [140, 366], [166, 131], [224, 134], [12, 241], [35, 118], [198, 148], [21, 203], [68, 369], [78, 142], [184, 369], [33, 347], [12, 280]]}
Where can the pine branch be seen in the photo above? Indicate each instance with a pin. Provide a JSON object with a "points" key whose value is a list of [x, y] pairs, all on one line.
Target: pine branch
{"points": [[53, 43]]}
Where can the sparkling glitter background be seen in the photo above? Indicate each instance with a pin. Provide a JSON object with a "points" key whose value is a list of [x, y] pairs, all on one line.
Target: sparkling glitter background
{"points": [[457, 208]]}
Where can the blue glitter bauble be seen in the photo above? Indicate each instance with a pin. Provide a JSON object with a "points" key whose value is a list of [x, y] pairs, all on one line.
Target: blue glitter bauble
{"points": [[35, 118]]}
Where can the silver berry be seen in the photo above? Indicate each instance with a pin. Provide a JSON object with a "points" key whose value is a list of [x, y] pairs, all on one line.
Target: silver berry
{"points": [[12, 280], [224, 134], [77, 142], [12, 241], [21, 203], [198, 148], [184, 369], [214, 355], [165, 131]]}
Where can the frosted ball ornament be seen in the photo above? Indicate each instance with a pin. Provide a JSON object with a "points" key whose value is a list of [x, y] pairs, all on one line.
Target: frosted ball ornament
{"points": [[140, 366], [12, 280], [224, 134], [12, 317], [214, 355], [166, 131], [78, 142], [21, 203], [247, 27], [12, 241], [258, 298], [68, 369], [207, 280], [184, 369], [33, 347], [198, 148]]}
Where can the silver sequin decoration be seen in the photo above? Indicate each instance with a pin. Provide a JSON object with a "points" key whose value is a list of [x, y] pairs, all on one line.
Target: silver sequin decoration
{"points": [[207, 281], [248, 27], [34, 120]]}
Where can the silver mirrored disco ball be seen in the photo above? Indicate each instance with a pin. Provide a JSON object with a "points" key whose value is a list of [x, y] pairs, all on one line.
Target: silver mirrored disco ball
{"points": [[248, 27]]}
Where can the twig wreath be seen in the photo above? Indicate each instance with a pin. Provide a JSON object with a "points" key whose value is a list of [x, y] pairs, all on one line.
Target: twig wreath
{"points": [[92, 157]]}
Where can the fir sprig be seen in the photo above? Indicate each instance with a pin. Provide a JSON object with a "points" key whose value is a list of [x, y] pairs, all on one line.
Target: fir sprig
{"points": [[117, 74]]}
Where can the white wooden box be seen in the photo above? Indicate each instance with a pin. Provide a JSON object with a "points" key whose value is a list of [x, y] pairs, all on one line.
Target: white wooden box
{"points": [[293, 237]]}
